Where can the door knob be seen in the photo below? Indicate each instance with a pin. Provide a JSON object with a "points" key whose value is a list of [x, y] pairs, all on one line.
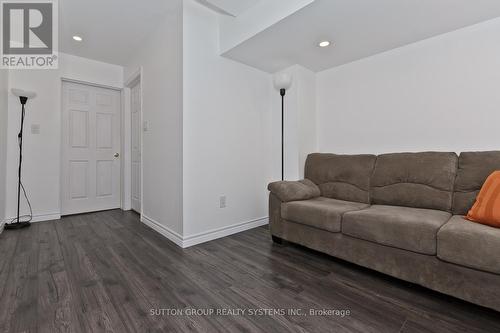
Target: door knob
{"points": [[117, 155]]}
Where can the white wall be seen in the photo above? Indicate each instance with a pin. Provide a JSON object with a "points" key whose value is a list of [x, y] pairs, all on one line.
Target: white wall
{"points": [[41, 152], [161, 61], [307, 125], [227, 126], [4, 86], [438, 94]]}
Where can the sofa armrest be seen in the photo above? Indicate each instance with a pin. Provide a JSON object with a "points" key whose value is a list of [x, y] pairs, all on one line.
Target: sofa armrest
{"points": [[294, 191]]}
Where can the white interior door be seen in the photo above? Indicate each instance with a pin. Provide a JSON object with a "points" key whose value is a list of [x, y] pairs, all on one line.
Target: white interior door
{"points": [[90, 152], [135, 106]]}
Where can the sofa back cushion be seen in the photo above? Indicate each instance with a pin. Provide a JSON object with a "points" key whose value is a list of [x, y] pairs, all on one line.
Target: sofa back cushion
{"points": [[342, 177], [420, 180], [473, 169]]}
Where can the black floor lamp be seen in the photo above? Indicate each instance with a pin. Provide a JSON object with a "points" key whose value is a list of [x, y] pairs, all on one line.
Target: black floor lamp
{"points": [[282, 82], [16, 223]]}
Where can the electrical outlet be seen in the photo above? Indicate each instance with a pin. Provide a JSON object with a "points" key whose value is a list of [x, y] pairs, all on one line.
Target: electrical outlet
{"points": [[223, 201], [35, 129]]}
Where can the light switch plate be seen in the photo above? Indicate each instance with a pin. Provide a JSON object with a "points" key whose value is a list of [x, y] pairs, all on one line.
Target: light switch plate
{"points": [[223, 201]]}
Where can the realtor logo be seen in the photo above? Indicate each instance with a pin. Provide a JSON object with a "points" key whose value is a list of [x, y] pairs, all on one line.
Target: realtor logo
{"points": [[29, 34]]}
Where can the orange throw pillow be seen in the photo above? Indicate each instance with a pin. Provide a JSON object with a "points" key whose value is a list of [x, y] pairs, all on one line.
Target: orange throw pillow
{"points": [[486, 210]]}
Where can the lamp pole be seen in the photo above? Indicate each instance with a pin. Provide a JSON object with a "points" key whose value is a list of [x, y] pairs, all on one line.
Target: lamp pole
{"points": [[282, 82], [20, 138], [18, 224], [282, 93]]}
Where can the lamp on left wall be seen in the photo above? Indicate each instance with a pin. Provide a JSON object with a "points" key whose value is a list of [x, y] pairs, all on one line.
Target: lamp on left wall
{"points": [[282, 82], [16, 223]]}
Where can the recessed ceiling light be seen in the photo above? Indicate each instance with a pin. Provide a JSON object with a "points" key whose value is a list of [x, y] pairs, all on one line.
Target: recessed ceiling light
{"points": [[324, 43], [77, 38]]}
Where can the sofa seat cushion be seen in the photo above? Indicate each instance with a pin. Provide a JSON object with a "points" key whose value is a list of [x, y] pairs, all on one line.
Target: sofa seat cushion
{"points": [[470, 244], [412, 229], [322, 213]]}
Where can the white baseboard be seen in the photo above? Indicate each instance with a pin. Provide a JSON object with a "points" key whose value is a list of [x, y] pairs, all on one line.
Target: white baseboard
{"points": [[46, 217], [36, 218], [41, 217], [203, 237], [161, 229], [173, 236], [223, 232]]}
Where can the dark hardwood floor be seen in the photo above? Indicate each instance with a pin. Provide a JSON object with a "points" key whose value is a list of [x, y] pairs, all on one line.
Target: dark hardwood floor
{"points": [[106, 271]]}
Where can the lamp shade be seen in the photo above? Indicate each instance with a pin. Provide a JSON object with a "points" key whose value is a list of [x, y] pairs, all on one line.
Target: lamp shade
{"points": [[282, 80], [23, 93]]}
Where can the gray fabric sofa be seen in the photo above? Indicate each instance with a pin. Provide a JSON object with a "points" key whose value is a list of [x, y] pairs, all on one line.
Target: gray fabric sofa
{"points": [[399, 214]]}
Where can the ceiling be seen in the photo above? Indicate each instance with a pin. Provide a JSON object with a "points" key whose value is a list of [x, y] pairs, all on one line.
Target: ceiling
{"points": [[229, 7], [357, 28], [110, 29]]}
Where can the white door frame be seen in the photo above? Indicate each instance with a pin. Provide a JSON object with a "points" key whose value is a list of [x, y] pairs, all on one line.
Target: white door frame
{"points": [[122, 133], [129, 83]]}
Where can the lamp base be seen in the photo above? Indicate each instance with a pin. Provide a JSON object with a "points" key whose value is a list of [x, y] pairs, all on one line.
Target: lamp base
{"points": [[17, 225]]}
